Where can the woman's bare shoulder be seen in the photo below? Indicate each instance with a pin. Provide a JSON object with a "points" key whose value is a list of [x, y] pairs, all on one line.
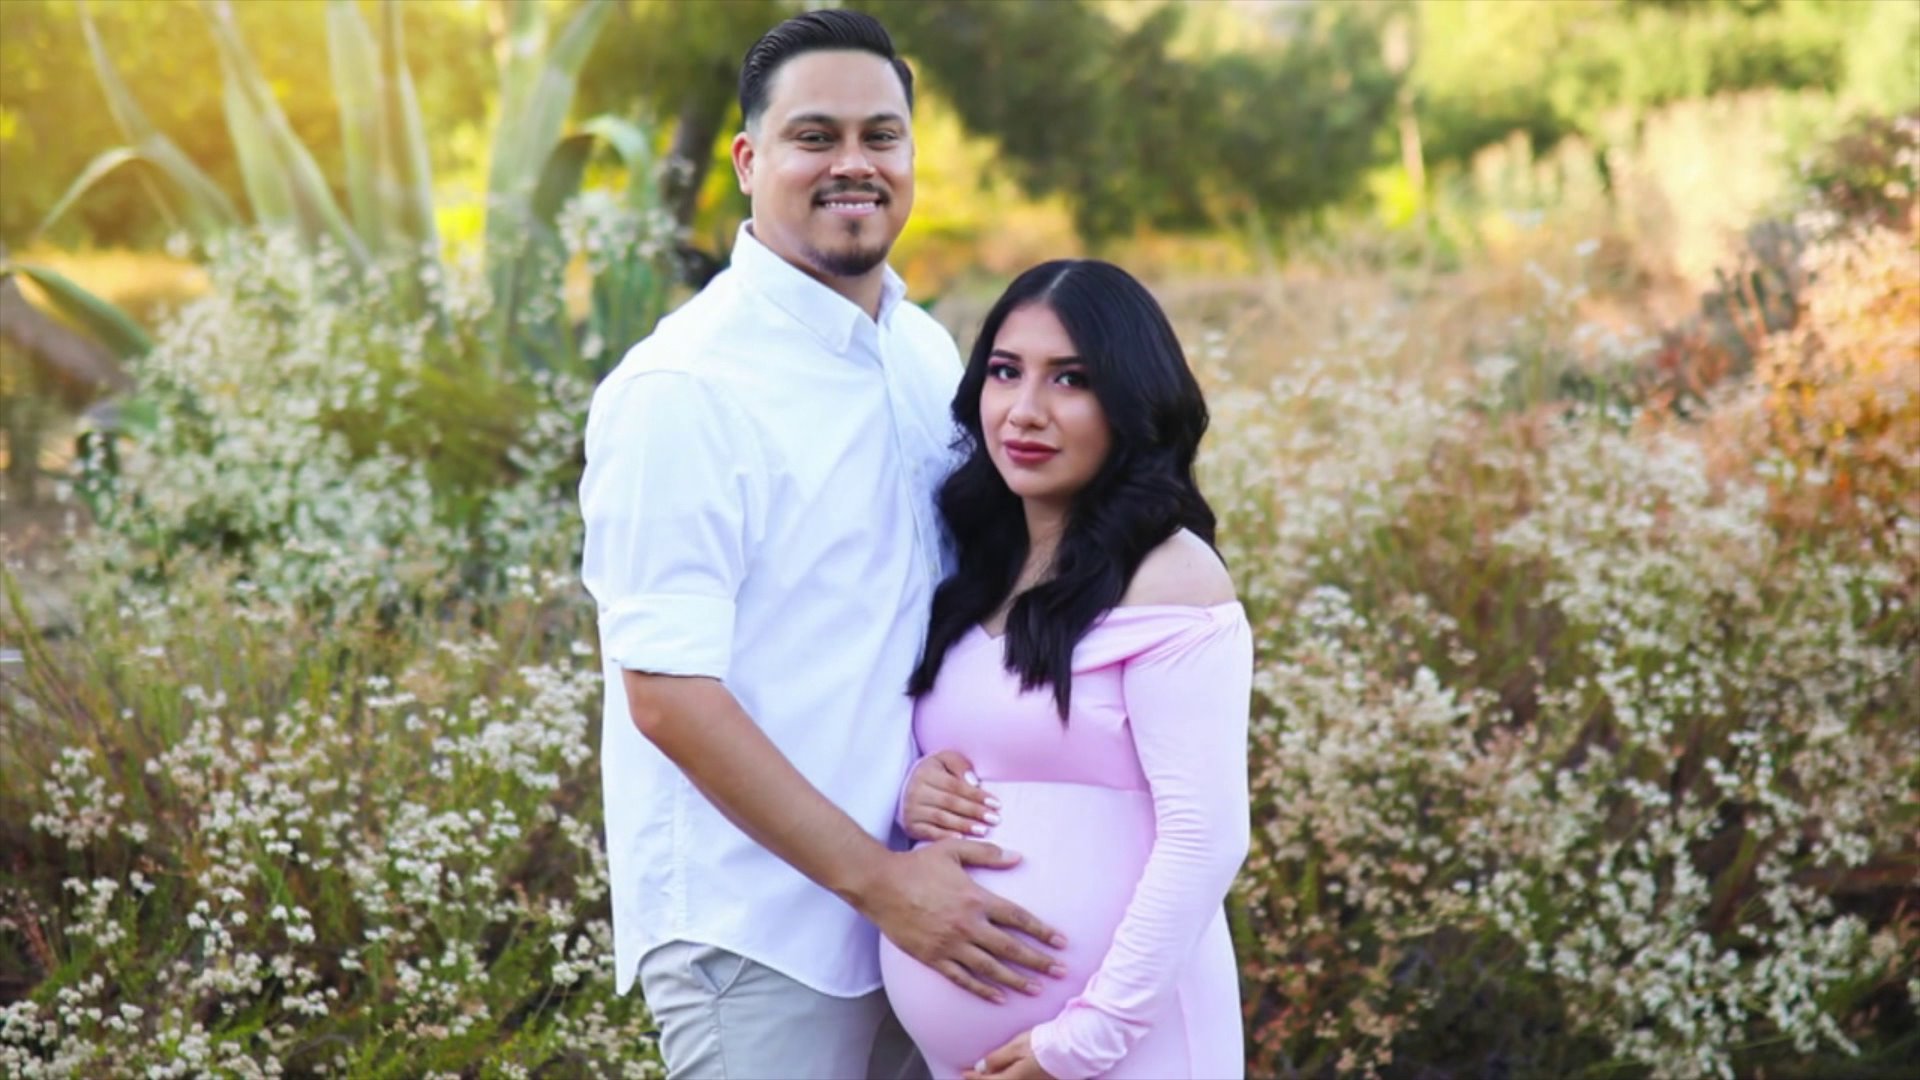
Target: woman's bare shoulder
{"points": [[1182, 570]]}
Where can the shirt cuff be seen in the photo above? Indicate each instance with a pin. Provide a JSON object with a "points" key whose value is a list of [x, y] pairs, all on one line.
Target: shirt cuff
{"points": [[666, 634], [900, 801]]}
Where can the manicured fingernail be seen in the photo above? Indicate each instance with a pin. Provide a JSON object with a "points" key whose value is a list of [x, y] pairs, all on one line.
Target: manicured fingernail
{"points": [[1058, 971], [993, 818], [979, 830], [993, 802], [981, 1065], [1031, 989], [1058, 941], [972, 779]]}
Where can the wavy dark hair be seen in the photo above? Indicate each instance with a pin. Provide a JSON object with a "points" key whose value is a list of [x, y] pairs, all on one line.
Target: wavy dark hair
{"points": [[1142, 493]]}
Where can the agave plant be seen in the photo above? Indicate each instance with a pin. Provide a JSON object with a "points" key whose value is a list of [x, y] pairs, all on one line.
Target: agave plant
{"points": [[536, 169]]}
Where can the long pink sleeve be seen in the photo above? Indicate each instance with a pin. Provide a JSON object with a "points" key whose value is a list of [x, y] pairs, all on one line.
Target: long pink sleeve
{"points": [[1187, 699]]}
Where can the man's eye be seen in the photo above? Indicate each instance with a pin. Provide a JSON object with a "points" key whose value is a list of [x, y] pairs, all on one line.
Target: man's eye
{"points": [[815, 138], [885, 136]]}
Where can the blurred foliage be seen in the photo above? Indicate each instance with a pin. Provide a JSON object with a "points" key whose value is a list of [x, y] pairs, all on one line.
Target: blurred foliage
{"points": [[53, 118], [1159, 115], [1838, 398], [1869, 174], [1136, 133], [1488, 67]]}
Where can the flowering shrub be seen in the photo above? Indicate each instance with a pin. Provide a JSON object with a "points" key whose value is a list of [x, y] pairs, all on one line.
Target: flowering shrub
{"points": [[1570, 752], [1834, 414], [332, 443], [316, 791], [1565, 756], [261, 844]]}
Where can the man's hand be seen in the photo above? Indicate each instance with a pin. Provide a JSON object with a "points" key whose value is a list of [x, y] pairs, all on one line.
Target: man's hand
{"points": [[925, 903], [1014, 1061], [944, 800]]}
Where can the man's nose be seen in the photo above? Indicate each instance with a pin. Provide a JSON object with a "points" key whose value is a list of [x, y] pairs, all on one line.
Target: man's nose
{"points": [[852, 163]]}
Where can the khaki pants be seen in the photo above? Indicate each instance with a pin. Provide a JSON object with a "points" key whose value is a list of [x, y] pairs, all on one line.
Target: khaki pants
{"points": [[724, 1017]]}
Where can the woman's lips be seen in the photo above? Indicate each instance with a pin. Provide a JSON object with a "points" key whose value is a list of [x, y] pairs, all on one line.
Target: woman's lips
{"points": [[1029, 454]]}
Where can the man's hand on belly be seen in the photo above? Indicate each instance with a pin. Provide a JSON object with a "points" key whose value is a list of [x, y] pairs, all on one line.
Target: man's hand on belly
{"points": [[925, 903]]}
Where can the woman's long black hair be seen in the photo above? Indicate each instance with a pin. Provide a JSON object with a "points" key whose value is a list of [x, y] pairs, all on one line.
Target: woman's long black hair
{"points": [[1142, 494]]}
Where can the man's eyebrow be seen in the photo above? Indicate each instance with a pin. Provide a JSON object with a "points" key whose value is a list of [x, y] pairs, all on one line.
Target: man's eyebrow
{"points": [[828, 120]]}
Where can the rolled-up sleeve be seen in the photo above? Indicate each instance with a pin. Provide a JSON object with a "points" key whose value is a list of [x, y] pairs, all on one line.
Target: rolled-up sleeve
{"points": [[668, 496]]}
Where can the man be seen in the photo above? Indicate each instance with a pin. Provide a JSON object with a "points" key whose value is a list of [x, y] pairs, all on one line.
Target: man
{"points": [[762, 546]]}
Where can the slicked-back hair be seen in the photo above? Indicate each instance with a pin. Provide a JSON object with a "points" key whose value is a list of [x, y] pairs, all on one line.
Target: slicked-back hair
{"points": [[829, 28], [1141, 495]]}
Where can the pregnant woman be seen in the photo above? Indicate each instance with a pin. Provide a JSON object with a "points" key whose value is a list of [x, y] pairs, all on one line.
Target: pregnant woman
{"points": [[1082, 699]]}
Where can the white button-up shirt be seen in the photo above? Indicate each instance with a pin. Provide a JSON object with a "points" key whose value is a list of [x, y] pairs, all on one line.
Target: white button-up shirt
{"points": [[759, 502]]}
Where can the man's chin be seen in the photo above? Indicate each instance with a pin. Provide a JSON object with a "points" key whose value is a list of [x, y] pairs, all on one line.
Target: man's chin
{"points": [[848, 261]]}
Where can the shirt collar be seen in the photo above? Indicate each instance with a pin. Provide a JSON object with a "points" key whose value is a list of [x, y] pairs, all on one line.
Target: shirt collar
{"points": [[830, 316]]}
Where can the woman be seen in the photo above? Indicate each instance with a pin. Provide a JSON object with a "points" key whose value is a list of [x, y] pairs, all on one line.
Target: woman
{"points": [[1089, 662]]}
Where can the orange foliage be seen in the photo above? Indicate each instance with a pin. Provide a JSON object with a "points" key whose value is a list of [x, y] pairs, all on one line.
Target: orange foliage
{"points": [[1835, 404]]}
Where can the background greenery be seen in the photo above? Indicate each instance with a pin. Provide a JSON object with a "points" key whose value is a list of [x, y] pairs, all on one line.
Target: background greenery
{"points": [[1565, 361]]}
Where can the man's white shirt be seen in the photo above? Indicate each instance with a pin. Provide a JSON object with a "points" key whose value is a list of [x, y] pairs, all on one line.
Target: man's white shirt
{"points": [[759, 503]]}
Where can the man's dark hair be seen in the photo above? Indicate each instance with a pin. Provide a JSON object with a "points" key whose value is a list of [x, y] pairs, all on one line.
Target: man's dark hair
{"points": [[829, 28]]}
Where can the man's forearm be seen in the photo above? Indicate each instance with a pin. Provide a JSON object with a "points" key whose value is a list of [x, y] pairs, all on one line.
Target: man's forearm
{"points": [[702, 729]]}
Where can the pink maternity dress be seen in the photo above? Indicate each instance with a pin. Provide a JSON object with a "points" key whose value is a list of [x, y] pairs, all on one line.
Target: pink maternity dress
{"points": [[1131, 821]]}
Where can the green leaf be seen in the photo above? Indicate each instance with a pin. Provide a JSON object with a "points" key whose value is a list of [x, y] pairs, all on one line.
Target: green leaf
{"points": [[96, 171], [303, 177], [116, 329], [634, 145], [354, 62], [560, 179], [405, 155], [537, 87], [204, 208], [269, 188]]}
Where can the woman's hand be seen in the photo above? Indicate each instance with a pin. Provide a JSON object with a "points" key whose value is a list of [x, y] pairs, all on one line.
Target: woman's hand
{"points": [[944, 800], [1014, 1061]]}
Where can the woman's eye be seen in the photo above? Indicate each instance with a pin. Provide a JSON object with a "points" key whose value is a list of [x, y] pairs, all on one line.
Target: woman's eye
{"points": [[1002, 372], [1076, 379]]}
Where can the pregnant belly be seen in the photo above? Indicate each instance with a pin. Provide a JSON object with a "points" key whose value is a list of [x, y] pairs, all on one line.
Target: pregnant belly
{"points": [[1082, 850]]}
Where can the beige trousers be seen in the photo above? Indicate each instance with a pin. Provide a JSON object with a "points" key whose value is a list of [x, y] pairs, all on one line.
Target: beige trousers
{"points": [[724, 1017]]}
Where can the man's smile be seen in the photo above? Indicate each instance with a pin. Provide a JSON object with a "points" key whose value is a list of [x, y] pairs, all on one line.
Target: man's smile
{"points": [[852, 203]]}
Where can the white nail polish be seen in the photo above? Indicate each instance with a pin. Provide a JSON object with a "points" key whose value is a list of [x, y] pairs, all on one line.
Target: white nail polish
{"points": [[972, 779], [993, 818], [979, 830]]}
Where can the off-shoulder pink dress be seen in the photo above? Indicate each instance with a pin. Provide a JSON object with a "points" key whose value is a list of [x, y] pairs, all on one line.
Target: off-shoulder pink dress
{"points": [[1131, 821]]}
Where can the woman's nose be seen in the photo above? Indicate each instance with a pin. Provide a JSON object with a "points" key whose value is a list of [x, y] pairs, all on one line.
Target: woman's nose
{"points": [[1027, 411]]}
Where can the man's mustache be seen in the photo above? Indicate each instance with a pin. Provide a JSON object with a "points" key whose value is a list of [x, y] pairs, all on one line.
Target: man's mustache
{"points": [[852, 189]]}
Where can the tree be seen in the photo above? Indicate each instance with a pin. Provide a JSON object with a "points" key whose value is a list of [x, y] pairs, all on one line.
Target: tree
{"points": [[1111, 115]]}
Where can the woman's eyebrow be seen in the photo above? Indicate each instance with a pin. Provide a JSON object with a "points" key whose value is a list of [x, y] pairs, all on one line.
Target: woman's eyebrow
{"points": [[1055, 361]]}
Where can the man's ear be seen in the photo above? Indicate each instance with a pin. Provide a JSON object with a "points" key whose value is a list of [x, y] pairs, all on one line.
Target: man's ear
{"points": [[743, 162]]}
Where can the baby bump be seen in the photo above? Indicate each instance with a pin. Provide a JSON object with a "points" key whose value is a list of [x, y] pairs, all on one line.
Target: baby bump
{"points": [[1082, 850]]}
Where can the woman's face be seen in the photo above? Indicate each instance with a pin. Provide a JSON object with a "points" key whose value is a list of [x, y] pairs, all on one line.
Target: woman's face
{"points": [[1043, 426]]}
